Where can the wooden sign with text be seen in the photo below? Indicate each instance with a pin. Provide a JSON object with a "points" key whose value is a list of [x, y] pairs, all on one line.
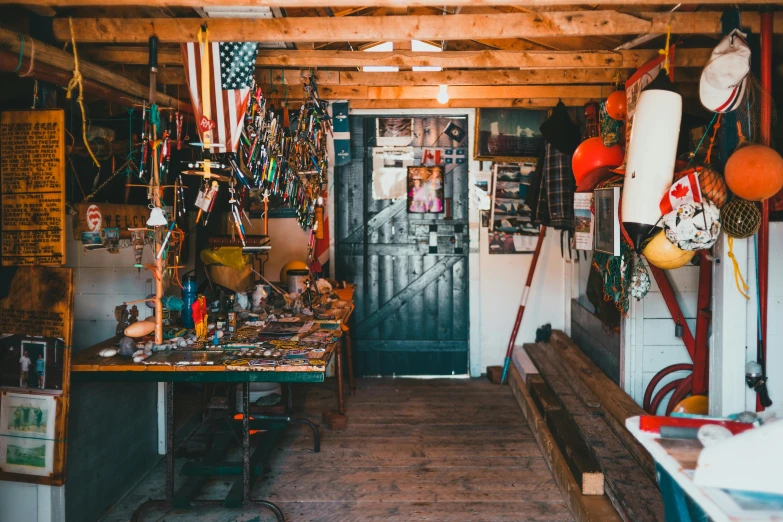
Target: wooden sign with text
{"points": [[32, 182], [92, 217]]}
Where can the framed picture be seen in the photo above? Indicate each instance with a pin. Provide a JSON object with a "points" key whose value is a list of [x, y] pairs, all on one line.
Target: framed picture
{"points": [[509, 135], [606, 220], [32, 362], [512, 230], [27, 433], [393, 132], [425, 190], [583, 221]]}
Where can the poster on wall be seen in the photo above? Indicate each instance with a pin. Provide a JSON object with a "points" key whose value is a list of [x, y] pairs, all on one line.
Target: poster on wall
{"points": [[393, 132], [607, 220], [425, 190], [512, 230], [32, 175], [583, 221], [390, 171], [35, 339]]}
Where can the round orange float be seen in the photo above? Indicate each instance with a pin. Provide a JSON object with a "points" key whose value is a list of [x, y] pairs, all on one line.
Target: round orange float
{"points": [[592, 155], [694, 405], [664, 254], [754, 172], [617, 105]]}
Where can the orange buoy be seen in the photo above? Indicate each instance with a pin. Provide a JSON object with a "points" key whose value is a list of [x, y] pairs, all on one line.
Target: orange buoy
{"points": [[695, 405], [592, 154], [754, 172], [617, 105]]}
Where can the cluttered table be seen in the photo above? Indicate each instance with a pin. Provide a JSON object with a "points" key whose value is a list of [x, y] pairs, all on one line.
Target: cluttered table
{"points": [[282, 347], [677, 458]]}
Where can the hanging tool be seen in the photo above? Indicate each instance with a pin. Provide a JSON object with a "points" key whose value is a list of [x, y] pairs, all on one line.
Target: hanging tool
{"points": [[523, 301]]}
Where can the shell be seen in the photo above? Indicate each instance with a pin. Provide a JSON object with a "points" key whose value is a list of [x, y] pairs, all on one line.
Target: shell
{"points": [[108, 352]]}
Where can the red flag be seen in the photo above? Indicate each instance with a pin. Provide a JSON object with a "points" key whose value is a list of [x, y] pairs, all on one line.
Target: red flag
{"points": [[231, 69], [685, 190]]}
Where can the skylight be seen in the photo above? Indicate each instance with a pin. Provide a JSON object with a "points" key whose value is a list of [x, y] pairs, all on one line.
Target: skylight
{"points": [[416, 45]]}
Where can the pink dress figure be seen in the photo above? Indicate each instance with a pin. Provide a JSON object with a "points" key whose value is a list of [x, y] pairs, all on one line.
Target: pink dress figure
{"points": [[418, 197], [434, 203]]}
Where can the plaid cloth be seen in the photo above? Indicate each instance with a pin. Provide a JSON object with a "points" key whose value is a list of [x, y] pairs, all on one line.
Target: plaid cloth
{"points": [[556, 199]]}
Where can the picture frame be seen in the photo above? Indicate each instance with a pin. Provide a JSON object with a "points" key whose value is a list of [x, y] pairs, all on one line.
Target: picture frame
{"points": [[393, 131], [425, 189], [511, 226], [508, 135], [606, 228], [28, 424]]}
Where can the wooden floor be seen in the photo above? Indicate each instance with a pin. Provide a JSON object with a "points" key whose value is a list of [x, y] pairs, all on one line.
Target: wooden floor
{"points": [[415, 450]]}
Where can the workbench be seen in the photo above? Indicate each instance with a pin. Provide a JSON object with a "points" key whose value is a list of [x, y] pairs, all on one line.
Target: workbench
{"points": [[89, 366]]}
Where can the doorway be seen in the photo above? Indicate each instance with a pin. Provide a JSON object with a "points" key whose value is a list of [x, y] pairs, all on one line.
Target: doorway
{"points": [[411, 269]]}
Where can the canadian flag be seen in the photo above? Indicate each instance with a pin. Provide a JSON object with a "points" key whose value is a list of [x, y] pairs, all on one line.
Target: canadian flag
{"points": [[431, 157], [685, 190]]}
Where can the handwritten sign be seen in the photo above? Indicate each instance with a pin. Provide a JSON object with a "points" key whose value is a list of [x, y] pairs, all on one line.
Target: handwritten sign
{"points": [[32, 181], [95, 216]]}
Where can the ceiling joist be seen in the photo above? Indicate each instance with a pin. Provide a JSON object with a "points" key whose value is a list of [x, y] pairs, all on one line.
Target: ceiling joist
{"points": [[287, 4], [629, 59], [399, 28], [174, 75]]}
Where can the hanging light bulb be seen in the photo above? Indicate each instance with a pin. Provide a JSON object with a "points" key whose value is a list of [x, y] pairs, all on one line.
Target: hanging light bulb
{"points": [[443, 94]]}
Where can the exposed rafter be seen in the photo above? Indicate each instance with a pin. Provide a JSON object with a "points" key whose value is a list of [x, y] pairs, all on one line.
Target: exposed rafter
{"points": [[448, 59], [287, 4], [398, 28]]}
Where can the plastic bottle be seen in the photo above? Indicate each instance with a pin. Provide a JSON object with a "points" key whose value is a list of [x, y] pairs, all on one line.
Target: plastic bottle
{"points": [[189, 296]]}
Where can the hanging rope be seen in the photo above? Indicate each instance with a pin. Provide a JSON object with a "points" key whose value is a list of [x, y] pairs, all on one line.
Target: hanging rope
{"points": [[29, 70], [742, 286], [665, 50], [701, 141], [76, 81], [129, 164], [712, 140], [21, 54]]}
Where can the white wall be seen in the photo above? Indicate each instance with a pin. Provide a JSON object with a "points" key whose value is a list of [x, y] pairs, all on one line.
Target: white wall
{"points": [[649, 340], [502, 278], [31, 503]]}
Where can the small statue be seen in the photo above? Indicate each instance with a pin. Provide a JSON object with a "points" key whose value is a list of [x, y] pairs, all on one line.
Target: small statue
{"points": [[199, 309], [123, 318], [134, 315]]}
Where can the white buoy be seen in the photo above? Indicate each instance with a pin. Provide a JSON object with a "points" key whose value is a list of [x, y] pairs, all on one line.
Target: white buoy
{"points": [[652, 152]]}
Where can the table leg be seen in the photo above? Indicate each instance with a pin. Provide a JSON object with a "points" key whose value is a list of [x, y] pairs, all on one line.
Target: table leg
{"points": [[246, 442], [338, 370], [349, 355], [169, 443]]}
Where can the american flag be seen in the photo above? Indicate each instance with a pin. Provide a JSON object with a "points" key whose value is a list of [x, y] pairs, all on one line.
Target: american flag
{"points": [[231, 68]]}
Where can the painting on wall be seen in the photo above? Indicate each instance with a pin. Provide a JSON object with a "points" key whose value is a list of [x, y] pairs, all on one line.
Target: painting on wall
{"points": [[509, 135], [425, 190], [393, 132], [27, 433]]}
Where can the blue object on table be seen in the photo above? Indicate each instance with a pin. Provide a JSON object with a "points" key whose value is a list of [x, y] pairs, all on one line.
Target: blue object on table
{"points": [[677, 505], [189, 296]]}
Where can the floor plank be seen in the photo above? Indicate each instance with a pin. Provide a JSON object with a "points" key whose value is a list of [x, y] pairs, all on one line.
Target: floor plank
{"points": [[414, 450]]}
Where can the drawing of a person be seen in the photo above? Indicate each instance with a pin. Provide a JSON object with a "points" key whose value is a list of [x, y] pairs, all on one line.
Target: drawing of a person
{"points": [[38, 413], [418, 196], [434, 186], [17, 418]]}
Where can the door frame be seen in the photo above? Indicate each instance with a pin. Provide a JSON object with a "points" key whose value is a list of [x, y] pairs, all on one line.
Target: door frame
{"points": [[474, 335]]}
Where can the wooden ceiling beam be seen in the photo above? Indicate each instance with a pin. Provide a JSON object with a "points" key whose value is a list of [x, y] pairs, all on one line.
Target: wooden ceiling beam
{"points": [[288, 4], [478, 92], [399, 28], [630, 59]]}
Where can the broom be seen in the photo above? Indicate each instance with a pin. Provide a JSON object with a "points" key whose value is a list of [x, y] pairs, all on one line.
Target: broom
{"points": [[522, 302]]}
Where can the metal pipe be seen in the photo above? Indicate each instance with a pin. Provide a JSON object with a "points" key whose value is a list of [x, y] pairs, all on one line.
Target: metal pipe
{"points": [[766, 128]]}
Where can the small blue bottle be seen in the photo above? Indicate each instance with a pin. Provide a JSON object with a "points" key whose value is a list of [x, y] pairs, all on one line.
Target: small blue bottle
{"points": [[189, 296]]}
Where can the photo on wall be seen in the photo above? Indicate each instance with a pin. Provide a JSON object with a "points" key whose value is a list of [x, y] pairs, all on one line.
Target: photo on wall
{"points": [[393, 132], [27, 432], [512, 230], [425, 190], [509, 135], [28, 362]]}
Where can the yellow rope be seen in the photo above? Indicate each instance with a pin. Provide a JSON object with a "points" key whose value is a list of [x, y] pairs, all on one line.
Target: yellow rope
{"points": [[77, 81], [665, 50], [742, 286]]}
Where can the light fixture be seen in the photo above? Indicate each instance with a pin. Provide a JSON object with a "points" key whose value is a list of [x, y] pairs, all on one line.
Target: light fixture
{"points": [[443, 94]]}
